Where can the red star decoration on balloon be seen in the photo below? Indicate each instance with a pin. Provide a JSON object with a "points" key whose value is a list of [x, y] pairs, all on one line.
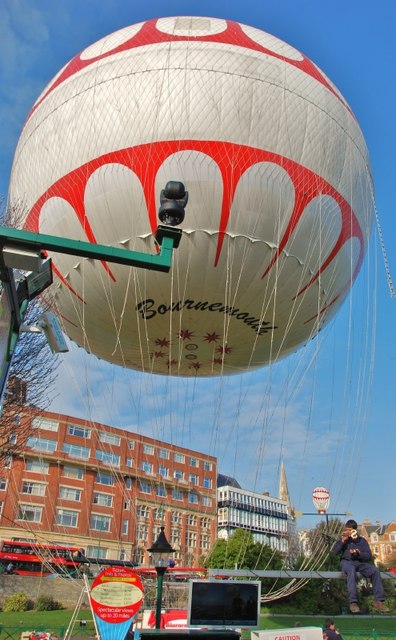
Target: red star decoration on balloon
{"points": [[157, 354], [162, 342], [185, 334], [195, 365], [224, 349], [211, 337], [217, 361], [170, 363]]}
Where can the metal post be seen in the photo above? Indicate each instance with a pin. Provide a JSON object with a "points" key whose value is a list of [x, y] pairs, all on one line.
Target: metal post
{"points": [[160, 581]]}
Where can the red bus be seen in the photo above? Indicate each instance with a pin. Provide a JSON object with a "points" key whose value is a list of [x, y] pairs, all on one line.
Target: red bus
{"points": [[36, 559]]}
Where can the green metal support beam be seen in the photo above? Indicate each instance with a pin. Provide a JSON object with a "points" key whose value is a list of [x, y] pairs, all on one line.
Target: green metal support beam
{"points": [[14, 243], [168, 238]]}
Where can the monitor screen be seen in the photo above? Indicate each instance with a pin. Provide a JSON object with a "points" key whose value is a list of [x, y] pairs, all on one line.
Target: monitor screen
{"points": [[224, 603]]}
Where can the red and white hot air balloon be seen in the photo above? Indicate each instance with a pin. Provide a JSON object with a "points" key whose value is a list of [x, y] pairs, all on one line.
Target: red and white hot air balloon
{"points": [[321, 499], [280, 194]]}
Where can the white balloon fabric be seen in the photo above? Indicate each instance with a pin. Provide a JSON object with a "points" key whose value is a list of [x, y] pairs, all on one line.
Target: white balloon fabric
{"points": [[280, 194], [321, 499]]}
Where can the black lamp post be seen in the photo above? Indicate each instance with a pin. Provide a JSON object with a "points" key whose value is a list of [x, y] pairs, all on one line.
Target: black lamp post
{"points": [[160, 548]]}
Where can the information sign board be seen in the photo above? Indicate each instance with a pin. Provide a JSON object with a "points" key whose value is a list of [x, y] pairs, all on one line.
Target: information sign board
{"points": [[116, 594]]}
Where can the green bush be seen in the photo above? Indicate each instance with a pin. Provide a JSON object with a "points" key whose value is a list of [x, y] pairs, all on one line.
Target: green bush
{"points": [[47, 603], [17, 602]]}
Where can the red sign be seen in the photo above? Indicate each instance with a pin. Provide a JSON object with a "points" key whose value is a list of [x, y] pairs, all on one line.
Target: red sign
{"points": [[116, 594], [174, 619]]}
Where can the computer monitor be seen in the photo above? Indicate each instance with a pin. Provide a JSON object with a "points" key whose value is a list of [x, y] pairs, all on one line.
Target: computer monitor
{"points": [[224, 603]]}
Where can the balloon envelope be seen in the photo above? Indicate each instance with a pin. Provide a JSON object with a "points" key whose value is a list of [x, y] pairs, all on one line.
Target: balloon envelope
{"points": [[280, 194]]}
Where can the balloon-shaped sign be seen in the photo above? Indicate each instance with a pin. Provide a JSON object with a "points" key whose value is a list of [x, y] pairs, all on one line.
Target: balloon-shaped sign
{"points": [[280, 194], [116, 596], [321, 499]]}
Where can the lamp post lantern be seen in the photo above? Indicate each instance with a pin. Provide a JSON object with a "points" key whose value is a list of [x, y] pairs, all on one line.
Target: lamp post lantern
{"points": [[160, 548]]}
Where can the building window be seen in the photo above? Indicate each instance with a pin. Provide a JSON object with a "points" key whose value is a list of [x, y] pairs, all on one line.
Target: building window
{"points": [[392, 537], [194, 462], [109, 438], [205, 542], [7, 462], [3, 484], [127, 504], [206, 501], [73, 472], [179, 457], [148, 449], [142, 532], [177, 494], [45, 424], [163, 453], [142, 511], [176, 517], [178, 474], [191, 539], [108, 458], [192, 498], [124, 530], [147, 467], [175, 537], [131, 444], [376, 550], [374, 537], [12, 439], [193, 478], [70, 493], [129, 462], [66, 518], [99, 522], [163, 471], [205, 523], [191, 520], [207, 483], [76, 451], [145, 487], [103, 499], [97, 552], [29, 513], [79, 432], [128, 483], [160, 491], [41, 444], [105, 478], [37, 466], [207, 466], [33, 488]]}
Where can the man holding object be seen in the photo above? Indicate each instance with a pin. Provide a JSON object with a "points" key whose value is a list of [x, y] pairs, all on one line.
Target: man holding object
{"points": [[356, 557]]}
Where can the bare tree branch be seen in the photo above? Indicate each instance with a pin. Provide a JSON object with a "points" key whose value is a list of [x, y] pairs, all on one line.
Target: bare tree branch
{"points": [[30, 387]]}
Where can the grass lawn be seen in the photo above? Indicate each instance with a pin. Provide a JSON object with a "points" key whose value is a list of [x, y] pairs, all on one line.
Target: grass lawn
{"points": [[351, 627], [344, 624]]}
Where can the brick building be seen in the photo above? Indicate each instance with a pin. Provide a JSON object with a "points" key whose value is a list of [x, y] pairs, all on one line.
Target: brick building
{"points": [[382, 541], [107, 490]]}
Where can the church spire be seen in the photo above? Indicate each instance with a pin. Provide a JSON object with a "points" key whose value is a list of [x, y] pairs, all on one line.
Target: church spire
{"points": [[284, 489]]}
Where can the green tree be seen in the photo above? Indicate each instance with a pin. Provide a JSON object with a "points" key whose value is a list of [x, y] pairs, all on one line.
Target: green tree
{"points": [[240, 551]]}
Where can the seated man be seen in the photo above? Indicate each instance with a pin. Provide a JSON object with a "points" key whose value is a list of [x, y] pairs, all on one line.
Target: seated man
{"points": [[356, 557]]}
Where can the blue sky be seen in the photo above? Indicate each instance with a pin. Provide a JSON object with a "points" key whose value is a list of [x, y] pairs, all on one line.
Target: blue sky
{"points": [[332, 422]]}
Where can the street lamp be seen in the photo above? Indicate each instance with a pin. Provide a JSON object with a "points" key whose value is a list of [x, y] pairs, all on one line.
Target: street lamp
{"points": [[160, 548]]}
